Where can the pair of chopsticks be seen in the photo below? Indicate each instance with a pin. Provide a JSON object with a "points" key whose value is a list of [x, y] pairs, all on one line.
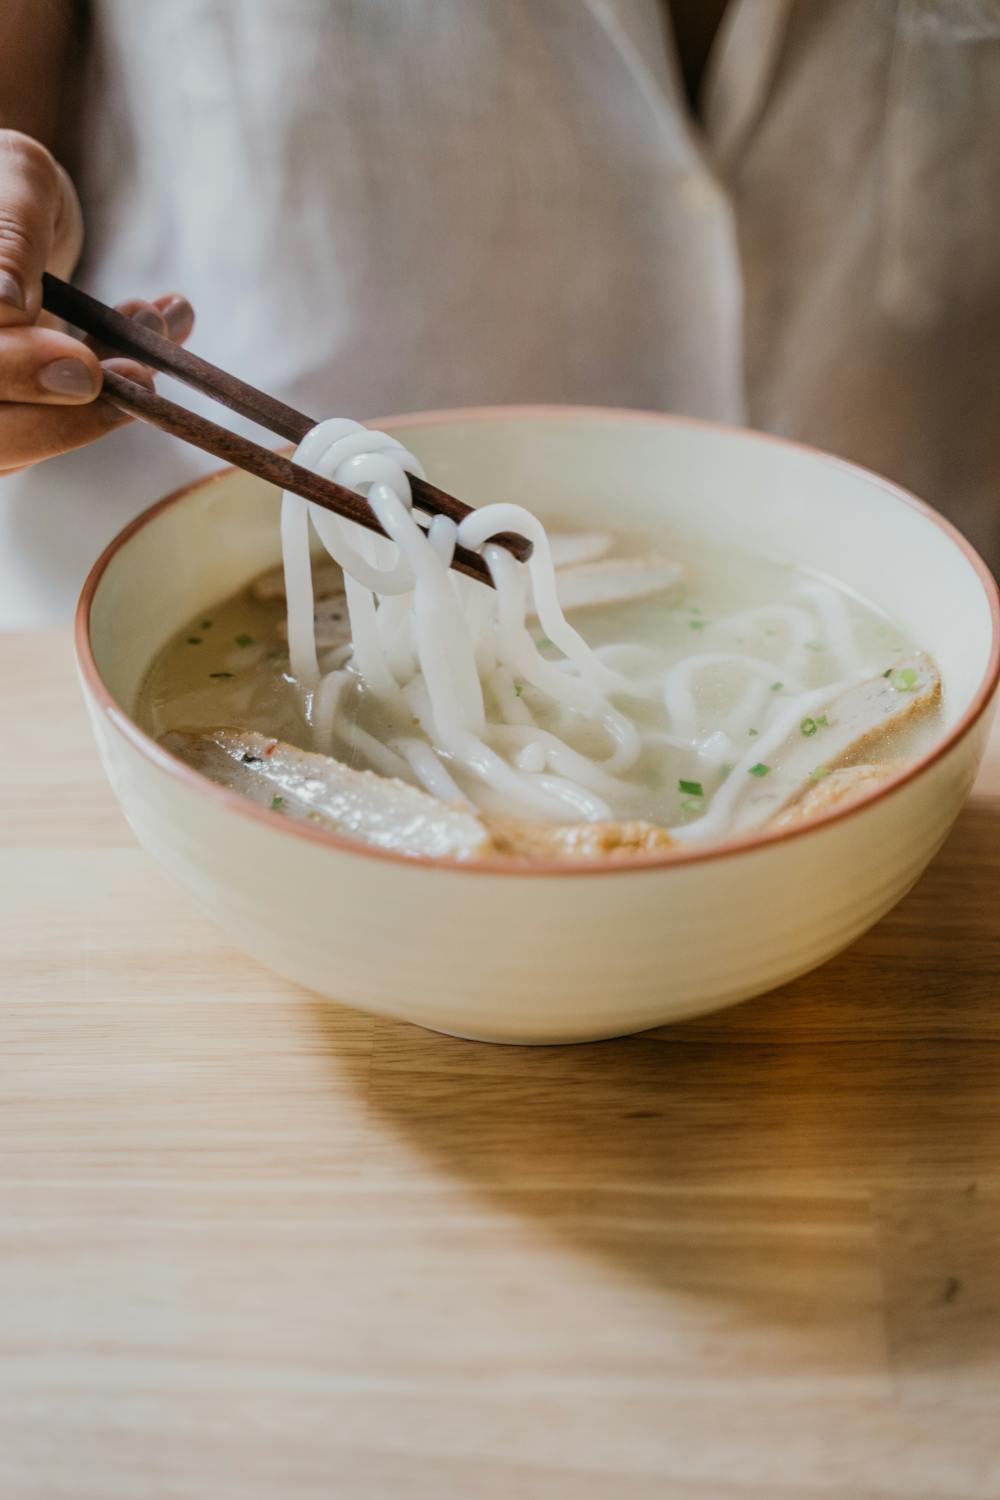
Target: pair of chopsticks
{"points": [[122, 334]]}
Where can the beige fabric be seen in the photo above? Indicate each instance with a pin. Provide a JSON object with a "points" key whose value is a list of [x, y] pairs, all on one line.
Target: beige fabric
{"points": [[383, 205], [861, 142]]}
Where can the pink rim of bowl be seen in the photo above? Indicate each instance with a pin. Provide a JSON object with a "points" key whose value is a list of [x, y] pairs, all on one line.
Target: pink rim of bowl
{"points": [[672, 858]]}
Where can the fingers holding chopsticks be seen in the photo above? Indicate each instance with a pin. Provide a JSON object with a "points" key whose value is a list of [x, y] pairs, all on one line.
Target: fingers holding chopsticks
{"points": [[50, 383], [31, 431], [171, 316]]}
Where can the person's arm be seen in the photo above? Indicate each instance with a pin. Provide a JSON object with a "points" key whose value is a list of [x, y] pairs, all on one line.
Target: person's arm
{"points": [[49, 381]]}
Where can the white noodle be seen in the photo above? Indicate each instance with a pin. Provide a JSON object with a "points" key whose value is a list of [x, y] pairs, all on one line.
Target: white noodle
{"points": [[445, 662]]}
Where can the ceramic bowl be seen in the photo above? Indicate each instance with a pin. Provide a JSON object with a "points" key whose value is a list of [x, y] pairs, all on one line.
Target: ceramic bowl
{"points": [[554, 953]]}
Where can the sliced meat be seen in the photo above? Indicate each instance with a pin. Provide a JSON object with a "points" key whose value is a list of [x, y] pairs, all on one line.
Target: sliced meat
{"points": [[579, 841], [615, 580], [571, 547], [847, 729], [318, 789], [836, 790], [269, 588], [590, 584], [331, 622], [585, 578]]}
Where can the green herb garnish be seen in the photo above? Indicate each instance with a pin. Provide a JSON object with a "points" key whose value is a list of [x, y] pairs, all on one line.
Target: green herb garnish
{"points": [[692, 788], [752, 732], [808, 727], [760, 769], [887, 672], [277, 803], [693, 804], [697, 624], [823, 721], [905, 680], [518, 689], [220, 674], [776, 687], [243, 639], [819, 773]]}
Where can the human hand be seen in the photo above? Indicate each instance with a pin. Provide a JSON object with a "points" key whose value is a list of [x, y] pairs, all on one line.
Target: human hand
{"points": [[50, 382]]}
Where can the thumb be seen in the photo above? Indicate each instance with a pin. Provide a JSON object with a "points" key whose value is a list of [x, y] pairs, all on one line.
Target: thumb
{"points": [[30, 201]]}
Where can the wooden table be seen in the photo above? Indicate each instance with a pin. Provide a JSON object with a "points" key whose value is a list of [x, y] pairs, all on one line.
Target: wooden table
{"points": [[256, 1246]]}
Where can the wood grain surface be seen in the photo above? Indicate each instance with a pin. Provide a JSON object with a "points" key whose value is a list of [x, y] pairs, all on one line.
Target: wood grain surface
{"points": [[253, 1245]]}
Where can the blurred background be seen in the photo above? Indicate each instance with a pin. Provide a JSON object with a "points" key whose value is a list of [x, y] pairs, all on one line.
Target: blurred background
{"points": [[778, 212]]}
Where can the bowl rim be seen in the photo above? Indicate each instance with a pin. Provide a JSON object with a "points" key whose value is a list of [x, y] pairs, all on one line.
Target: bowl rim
{"points": [[670, 858]]}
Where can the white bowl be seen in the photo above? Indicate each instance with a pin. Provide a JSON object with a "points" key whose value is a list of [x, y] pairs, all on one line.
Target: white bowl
{"points": [[556, 953]]}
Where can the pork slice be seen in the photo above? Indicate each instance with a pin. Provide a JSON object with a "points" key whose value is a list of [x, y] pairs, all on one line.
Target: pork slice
{"points": [[307, 787], [571, 547], [858, 721], [837, 790], [615, 580], [269, 588], [568, 549], [331, 621], [577, 841]]}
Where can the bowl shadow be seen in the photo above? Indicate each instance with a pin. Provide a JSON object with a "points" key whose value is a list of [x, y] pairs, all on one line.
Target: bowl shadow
{"points": [[825, 1154]]}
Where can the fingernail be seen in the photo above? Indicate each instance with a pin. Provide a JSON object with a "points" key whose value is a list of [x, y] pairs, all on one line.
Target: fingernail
{"points": [[148, 317], [10, 291], [67, 377], [178, 315]]}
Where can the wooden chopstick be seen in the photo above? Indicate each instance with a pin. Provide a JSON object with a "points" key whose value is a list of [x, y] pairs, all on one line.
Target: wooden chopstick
{"points": [[181, 422], [122, 333]]}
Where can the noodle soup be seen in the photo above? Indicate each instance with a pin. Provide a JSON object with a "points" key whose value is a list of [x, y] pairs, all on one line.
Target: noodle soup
{"points": [[429, 909], [718, 674]]}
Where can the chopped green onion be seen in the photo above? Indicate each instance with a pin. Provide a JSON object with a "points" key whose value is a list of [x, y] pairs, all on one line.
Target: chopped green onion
{"points": [[194, 640], [776, 687], [819, 773], [243, 639], [697, 624], [760, 769], [887, 672], [694, 609], [220, 674], [905, 680], [752, 732], [815, 646], [693, 788], [518, 689], [277, 803], [693, 804], [808, 727], [823, 721]]}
